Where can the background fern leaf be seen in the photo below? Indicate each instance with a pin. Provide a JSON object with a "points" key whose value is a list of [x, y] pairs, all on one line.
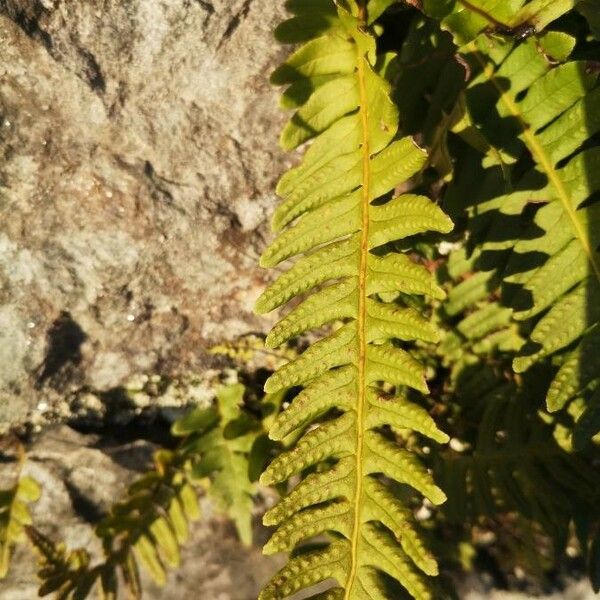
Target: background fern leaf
{"points": [[538, 110]]}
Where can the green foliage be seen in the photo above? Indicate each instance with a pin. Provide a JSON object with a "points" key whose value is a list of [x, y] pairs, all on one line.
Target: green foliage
{"points": [[67, 575], [520, 143], [407, 112], [537, 109], [504, 97], [221, 439], [14, 512], [149, 525], [508, 456], [341, 216]]}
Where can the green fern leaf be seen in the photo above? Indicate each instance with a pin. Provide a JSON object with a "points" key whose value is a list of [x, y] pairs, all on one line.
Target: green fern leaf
{"points": [[338, 217], [578, 372], [219, 441], [527, 103], [14, 513], [66, 574], [147, 527], [516, 464]]}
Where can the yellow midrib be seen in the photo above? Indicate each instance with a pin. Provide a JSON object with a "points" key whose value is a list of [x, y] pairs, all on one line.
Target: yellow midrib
{"points": [[543, 161], [361, 321]]}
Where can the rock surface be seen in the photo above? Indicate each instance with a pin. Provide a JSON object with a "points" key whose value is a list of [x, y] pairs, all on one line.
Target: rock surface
{"points": [[137, 161], [475, 588]]}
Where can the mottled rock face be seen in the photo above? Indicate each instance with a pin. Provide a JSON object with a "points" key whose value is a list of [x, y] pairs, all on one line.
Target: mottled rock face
{"points": [[137, 161]]}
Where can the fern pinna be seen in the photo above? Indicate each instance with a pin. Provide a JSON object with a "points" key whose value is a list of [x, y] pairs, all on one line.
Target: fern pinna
{"points": [[340, 214]]}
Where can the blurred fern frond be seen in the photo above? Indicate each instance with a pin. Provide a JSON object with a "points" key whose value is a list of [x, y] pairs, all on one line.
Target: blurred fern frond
{"points": [[148, 527]]}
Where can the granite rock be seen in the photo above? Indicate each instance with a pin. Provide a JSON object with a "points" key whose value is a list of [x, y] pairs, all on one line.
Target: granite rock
{"points": [[137, 162]]}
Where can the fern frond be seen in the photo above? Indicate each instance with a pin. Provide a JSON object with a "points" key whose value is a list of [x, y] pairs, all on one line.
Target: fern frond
{"points": [[14, 511], [510, 458], [482, 329], [510, 468], [67, 574], [149, 525], [539, 110], [221, 453], [338, 217], [153, 520], [516, 464]]}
